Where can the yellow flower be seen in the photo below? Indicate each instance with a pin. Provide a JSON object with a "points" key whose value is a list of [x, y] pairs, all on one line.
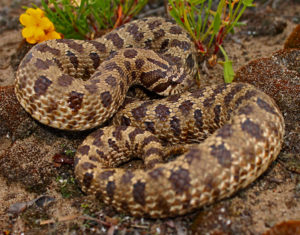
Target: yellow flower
{"points": [[38, 27]]}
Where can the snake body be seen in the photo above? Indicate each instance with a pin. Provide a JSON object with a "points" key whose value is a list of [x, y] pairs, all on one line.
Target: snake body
{"points": [[225, 135]]}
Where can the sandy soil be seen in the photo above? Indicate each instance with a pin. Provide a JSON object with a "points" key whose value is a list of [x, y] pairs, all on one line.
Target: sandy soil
{"points": [[37, 194]]}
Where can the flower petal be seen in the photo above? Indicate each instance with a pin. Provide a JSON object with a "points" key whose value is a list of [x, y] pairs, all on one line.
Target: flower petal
{"points": [[28, 32], [38, 13], [46, 24], [41, 39], [52, 35], [31, 40], [25, 19], [39, 34], [28, 20]]}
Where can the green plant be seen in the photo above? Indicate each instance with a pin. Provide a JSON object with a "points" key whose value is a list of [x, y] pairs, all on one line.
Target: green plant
{"points": [[86, 18], [209, 27], [67, 187]]}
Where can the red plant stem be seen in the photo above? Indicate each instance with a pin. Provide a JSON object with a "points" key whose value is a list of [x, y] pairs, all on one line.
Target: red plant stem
{"points": [[182, 19], [119, 17], [123, 18], [219, 40], [200, 46]]}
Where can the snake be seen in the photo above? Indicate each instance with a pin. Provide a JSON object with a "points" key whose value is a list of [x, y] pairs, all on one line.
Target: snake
{"points": [[198, 145]]}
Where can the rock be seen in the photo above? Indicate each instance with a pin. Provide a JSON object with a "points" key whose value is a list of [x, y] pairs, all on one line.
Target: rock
{"points": [[15, 122], [278, 76], [293, 41], [286, 228]]}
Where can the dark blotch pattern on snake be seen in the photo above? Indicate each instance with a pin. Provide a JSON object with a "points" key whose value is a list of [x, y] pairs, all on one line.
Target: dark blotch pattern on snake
{"points": [[226, 135]]}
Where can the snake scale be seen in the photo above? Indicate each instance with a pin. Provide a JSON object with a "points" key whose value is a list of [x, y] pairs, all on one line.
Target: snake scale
{"points": [[225, 135]]}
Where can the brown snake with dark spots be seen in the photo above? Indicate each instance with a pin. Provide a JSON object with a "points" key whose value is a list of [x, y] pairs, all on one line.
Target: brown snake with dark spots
{"points": [[77, 85]]}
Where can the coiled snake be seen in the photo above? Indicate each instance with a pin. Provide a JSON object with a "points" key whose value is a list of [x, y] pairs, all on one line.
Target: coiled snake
{"points": [[77, 85]]}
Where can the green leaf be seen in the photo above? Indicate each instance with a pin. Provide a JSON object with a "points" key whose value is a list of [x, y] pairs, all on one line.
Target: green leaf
{"points": [[227, 65], [248, 3], [217, 23], [196, 2], [228, 71]]}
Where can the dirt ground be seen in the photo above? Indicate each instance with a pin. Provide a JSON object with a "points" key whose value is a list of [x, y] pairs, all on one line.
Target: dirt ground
{"points": [[38, 193]]}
